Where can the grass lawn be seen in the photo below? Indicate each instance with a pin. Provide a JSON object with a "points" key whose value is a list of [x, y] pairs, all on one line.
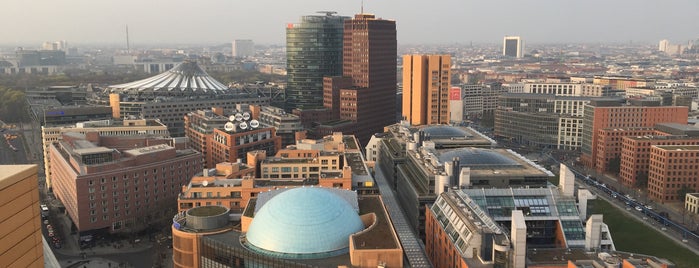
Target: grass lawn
{"points": [[630, 235]]}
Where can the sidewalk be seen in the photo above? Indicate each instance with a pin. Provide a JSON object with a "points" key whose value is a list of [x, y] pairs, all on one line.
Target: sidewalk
{"points": [[91, 263]]}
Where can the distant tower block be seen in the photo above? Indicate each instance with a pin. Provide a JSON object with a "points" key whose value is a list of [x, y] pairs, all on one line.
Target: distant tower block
{"points": [[512, 46]]}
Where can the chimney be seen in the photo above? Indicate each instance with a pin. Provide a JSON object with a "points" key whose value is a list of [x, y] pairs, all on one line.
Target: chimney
{"points": [[593, 232], [519, 239], [566, 182]]}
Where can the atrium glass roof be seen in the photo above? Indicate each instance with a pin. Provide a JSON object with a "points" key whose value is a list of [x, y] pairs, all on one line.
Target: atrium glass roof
{"points": [[470, 157]]}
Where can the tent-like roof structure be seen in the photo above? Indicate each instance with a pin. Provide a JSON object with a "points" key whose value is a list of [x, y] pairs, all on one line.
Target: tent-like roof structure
{"points": [[184, 79]]}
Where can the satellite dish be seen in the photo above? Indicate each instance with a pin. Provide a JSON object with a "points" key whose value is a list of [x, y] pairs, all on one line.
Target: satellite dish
{"points": [[246, 116], [238, 117], [228, 126], [254, 123], [243, 125], [231, 118], [205, 183]]}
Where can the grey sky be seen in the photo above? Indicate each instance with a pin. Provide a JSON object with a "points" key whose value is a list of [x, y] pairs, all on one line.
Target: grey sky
{"points": [[418, 21]]}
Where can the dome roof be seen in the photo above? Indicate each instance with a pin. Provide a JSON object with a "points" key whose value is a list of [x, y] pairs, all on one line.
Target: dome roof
{"points": [[470, 157], [445, 132], [186, 77], [304, 223]]}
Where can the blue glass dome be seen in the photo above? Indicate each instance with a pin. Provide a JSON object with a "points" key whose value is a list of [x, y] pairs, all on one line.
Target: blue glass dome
{"points": [[304, 223]]}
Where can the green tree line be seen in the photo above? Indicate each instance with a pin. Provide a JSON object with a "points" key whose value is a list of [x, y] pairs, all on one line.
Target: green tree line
{"points": [[13, 105]]}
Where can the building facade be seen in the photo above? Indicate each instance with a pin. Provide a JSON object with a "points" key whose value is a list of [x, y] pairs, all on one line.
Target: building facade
{"points": [[228, 138], [426, 85], [130, 128], [635, 156], [313, 50], [243, 48], [286, 124], [119, 190], [605, 114], [369, 62], [673, 170], [541, 120], [21, 239], [512, 46]]}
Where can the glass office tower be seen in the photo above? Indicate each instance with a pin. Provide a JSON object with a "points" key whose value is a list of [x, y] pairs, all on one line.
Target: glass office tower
{"points": [[313, 50]]}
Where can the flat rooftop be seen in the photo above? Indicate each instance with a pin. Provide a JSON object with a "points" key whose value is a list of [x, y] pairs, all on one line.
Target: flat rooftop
{"points": [[679, 147], [381, 235]]}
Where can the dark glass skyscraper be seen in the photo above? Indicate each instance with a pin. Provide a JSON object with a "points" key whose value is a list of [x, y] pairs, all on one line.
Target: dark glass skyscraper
{"points": [[313, 50]]}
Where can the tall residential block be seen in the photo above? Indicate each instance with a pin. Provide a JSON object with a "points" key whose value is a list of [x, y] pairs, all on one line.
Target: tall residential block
{"points": [[243, 48], [313, 50], [512, 46], [20, 236], [426, 84]]}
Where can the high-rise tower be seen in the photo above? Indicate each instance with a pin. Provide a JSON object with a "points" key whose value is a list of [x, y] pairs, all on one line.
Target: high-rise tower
{"points": [[313, 50], [512, 46], [426, 84], [368, 94]]}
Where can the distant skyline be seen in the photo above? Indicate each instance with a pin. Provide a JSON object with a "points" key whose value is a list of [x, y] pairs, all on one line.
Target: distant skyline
{"points": [[418, 22]]}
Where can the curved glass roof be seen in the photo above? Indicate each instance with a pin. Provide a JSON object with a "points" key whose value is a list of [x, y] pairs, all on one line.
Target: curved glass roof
{"points": [[445, 132], [186, 77], [304, 223], [477, 157]]}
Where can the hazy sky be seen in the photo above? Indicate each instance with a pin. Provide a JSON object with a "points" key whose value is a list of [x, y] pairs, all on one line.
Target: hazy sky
{"points": [[418, 21]]}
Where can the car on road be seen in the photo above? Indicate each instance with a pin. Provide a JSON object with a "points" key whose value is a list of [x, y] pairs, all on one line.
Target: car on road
{"points": [[44, 208], [638, 208], [649, 207]]}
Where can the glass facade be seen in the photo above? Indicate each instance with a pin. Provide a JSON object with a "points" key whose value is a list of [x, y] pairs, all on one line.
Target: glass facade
{"points": [[313, 50]]}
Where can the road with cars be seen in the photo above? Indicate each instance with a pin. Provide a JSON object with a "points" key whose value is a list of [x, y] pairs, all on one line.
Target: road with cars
{"points": [[644, 213]]}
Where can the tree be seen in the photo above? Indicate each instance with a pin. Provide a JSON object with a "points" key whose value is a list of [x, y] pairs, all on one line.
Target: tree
{"points": [[682, 192], [13, 105], [642, 180], [614, 165]]}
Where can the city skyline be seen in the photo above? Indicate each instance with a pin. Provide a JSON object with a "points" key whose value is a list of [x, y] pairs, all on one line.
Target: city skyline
{"points": [[593, 21]]}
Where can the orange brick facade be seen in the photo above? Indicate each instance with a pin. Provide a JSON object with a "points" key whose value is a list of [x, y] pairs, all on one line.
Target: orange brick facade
{"points": [[635, 155], [440, 250], [671, 168], [597, 119]]}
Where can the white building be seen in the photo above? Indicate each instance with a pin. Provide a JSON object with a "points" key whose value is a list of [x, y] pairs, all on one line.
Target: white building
{"points": [[243, 48]]}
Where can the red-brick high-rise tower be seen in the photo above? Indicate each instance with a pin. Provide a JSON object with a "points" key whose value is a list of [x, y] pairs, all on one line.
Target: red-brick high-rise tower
{"points": [[367, 90]]}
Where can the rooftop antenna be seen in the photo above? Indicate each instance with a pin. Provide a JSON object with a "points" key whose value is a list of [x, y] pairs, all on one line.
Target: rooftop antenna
{"points": [[362, 10], [128, 47]]}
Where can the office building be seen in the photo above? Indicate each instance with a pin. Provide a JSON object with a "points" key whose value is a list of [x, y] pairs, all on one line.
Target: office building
{"points": [[635, 155], [130, 128], [288, 125], [21, 239], [691, 203], [421, 163], [243, 48], [611, 114], [227, 138], [663, 45], [232, 185], [366, 96], [480, 101], [507, 227], [541, 120], [426, 85], [666, 180], [512, 46], [313, 50], [294, 227], [169, 96], [119, 184]]}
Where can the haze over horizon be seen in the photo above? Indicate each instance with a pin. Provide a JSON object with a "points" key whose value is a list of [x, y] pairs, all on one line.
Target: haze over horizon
{"points": [[418, 22]]}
